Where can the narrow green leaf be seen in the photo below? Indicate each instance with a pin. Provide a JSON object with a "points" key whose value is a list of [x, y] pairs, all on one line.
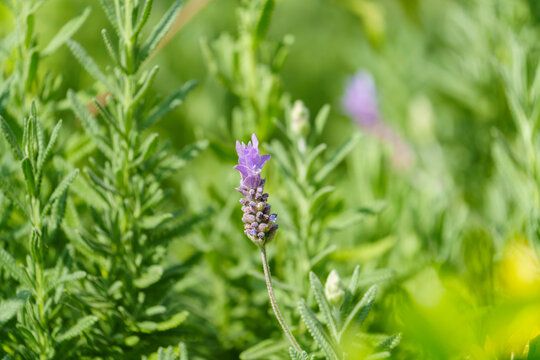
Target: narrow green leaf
{"points": [[81, 326], [11, 139], [110, 12], [28, 173], [61, 189], [43, 156], [89, 123], [316, 330], [67, 278], [320, 196], [9, 308], [148, 81], [90, 65], [361, 309], [87, 120], [110, 119], [4, 90], [99, 182], [17, 272], [171, 323], [353, 284], [150, 277], [314, 154], [324, 306], [152, 222], [182, 349], [389, 343], [320, 120], [143, 17], [31, 69], [263, 21], [146, 150], [171, 102], [66, 32], [337, 157], [160, 30], [296, 355], [83, 247], [264, 350], [167, 354], [7, 189], [110, 47]]}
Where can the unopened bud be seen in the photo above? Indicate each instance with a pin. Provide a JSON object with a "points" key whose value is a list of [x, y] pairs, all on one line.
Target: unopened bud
{"points": [[300, 118], [334, 289]]}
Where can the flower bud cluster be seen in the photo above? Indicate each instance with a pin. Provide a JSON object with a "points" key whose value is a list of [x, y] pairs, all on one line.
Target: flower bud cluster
{"points": [[259, 224]]}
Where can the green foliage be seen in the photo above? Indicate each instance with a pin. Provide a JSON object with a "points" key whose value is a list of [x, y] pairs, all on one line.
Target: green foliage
{"points": [[45, 276], [334, 336], [249, 67], [119, 226], [125, 247]]}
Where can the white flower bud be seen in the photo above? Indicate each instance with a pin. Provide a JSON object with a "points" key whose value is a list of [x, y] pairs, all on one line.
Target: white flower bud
{"points": [[334, 289], [300, 118]]}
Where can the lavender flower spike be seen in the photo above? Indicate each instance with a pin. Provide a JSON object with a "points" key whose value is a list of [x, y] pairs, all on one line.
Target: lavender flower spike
{"points": [[259, 223], [360, 100]]}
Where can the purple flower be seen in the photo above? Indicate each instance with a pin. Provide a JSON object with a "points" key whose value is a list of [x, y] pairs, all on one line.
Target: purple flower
{"points": [[360, 100], [259, 223], [250, 163]]}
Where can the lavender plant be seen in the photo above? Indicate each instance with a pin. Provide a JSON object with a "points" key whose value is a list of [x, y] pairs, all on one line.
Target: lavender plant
{"points": [[260, 228], [28, 81], [343, 314], [122, 239], [39, 321]]}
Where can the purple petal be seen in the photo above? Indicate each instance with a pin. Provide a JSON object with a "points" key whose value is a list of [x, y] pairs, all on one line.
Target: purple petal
{"points": [[255, 142], [239, 148], [243, 170], [252, 181], [262, 160]]}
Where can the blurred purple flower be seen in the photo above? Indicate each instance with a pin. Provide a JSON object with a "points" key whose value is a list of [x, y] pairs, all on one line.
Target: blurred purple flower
{"points": [[360, 100], [250, 163]]}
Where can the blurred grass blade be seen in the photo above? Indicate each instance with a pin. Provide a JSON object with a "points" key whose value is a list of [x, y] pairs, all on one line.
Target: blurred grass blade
{"points": [[11, 139], [160, 30], [172, 101], [361, 309], [337, 157], [90, 66], [81, 326], [9, 264], [66, 32]]}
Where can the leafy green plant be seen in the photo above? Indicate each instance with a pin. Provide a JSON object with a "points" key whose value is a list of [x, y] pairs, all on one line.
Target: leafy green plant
{"points": [[248, 65], [338, 337], [129, 221], [45, 311]]}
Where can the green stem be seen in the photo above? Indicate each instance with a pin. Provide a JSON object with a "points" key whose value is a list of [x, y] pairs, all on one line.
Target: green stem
{"points": [[273, 301]]}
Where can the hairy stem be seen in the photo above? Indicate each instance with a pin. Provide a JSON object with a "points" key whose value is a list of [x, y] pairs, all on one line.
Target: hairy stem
{"points": [[273, 301]]}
